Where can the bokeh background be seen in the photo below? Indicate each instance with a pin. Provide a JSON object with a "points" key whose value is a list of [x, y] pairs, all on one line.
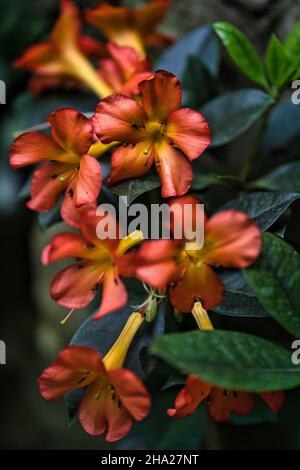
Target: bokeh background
{"points": [[29, 320]]}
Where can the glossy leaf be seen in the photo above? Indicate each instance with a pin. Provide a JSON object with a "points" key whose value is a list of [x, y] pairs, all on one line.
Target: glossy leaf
{"points": [[275, 279], [242, 52], [229, 359], [135, 187], [279, 64], [230, 115], [283, 178]]}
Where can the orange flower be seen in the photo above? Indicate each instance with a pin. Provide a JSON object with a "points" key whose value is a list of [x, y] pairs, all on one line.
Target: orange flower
{"points": [[150, 131], [98, 262], [221, 402], [231, 240], [63, 56], [123, 70], [112, 396], [133, 28], [68, 169]]}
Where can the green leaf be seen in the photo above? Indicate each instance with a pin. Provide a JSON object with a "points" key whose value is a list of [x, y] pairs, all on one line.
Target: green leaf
{"points": [[280, 66], [229, 359], [239, 299], [47, 219], [205, 180], [275, 279], [233, 113], [201, 43], [283, 178], [174, 434], [265, 208], [136, 187], [292, 43], [242, 52], [198, 85]]}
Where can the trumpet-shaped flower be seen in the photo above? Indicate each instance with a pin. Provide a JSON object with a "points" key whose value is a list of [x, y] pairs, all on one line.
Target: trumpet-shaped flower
{"points": [[231, 240], [98, 262], [221, 402], [113, 397], [133, 28], [69, 168], [63, 57], [155, 132]]}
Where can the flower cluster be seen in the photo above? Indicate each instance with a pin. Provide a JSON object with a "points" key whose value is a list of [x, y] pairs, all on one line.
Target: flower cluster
{"points": [[140, 117]]}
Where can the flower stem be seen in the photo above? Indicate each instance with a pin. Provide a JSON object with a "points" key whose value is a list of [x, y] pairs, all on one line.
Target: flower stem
{"points": [[201, 317]]}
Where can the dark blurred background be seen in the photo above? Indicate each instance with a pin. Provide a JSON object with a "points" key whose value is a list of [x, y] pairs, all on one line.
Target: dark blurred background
{"points": [[29, 320]]}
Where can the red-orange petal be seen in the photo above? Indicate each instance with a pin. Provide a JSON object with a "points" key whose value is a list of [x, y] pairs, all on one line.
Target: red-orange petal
{"points": [[108, 18], [197, 282], [190, 397], [232, 240], [42, 59], [174, 170], [72, 369], [71, 130], [189, 131], [65, 245], [149, 16], [34, 147], [132, 392], [119, 118], [114, 295], [186, 211], [76, 286], [161, 95], [66, 30], [131, 161], [222, 403], [273, 399], [46, 186], [88, 184]]}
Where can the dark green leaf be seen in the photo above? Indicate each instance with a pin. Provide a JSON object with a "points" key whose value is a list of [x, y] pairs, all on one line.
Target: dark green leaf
{"points": [[201, 43], [47, 219], [283, 178], [136, 187], [198, 85], [239, 299], [242, 52], [265, 208], [174, 434], [280, 66], [275, 279], [229, 359], [233, 113], [205, 180]]}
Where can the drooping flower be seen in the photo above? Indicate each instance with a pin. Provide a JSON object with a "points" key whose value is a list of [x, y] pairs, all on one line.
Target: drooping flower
{"points": [[231, 240], [153, 133], [124, 70], [99, 262], [221, 402], [68, 169], [63, 56], [113, 397], [133, 28]]}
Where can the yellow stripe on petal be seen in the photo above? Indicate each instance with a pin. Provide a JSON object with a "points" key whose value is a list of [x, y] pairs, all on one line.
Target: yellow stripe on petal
{"points": [[201, 317], [133, 239]]}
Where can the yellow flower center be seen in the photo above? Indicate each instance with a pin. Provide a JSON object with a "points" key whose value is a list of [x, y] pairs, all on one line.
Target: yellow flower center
{"points": [[155, 131]]}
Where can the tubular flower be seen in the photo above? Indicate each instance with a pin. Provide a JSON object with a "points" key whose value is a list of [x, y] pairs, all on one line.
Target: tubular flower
{"points": [[221, 402], [150, 131], [231, 240], [63, 57], [133, 28], [124, 70], [69, 168], [112, 396], [99, 262]]}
